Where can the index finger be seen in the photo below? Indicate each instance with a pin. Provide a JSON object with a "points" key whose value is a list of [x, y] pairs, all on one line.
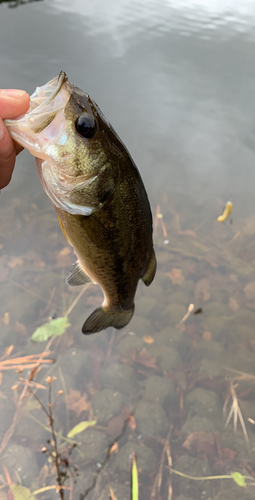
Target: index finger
{"points": [[12, 103]]}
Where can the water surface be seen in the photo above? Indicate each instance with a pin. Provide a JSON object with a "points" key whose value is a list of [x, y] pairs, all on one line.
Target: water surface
{"points": [[176, 80]]}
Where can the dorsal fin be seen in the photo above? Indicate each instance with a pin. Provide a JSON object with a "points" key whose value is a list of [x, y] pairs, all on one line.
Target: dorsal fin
{"points": [[77, 276]]}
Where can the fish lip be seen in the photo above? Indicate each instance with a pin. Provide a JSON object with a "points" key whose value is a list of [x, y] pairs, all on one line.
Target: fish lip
{"points": [[44, 101], [61, 79]]}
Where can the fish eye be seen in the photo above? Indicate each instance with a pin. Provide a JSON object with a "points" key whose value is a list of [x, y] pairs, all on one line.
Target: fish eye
{"points": [[86, 126]]}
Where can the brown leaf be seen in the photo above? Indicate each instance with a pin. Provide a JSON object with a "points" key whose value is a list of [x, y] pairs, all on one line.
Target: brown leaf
{"points": [[228, 453], [15, 261], [148, 339], [233, 304], [176, 276], [6, 319], [77, 401], [146, 360], [132, 423], [114, 448], [207, 336], [115, 425], [202, 290], [200, 441], [249, 291]]}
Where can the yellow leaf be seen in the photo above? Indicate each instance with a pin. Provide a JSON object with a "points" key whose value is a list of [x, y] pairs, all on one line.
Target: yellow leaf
{"points": [[80, 428]]}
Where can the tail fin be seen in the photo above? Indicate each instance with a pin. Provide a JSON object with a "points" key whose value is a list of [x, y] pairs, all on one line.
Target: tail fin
{"points": [[101, 318]]}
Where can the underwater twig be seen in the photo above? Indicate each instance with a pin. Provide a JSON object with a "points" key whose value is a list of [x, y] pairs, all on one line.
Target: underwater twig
{"points": [[235, 411], [33, 372], [34, 294], [158, 480], [109, 451], [76, 300], [56, 456]]}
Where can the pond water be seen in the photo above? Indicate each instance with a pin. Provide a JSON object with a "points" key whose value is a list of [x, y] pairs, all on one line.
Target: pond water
{"points": [[177, 81]]}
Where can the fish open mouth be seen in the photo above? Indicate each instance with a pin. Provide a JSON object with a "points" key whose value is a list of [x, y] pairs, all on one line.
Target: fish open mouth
{"points": [[46, 103], [43, 96]]}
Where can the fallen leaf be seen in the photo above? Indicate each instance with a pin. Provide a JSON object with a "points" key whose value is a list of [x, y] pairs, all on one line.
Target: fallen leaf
{"points": [[228, 453], [80, 428], [202, 290], [19, 327], [233, 304], [77, 402], [54, 327], [115, 425], [207, 336], [132, 423], [176, 276], [14, 262], [21, 492], [200, 441], [239, 479], [6, 319], [147, 339], [146, 360], [249, 291], [114, 448]]}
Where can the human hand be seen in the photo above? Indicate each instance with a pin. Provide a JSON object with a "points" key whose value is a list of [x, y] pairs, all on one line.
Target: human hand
{"points": [[13, 103]]}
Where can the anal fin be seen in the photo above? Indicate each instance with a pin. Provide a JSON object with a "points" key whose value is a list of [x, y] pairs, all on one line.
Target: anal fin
{"points": [[77, 276], [151, 270]]}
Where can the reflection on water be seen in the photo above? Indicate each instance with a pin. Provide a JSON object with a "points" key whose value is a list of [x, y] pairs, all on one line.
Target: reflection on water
{"points": [[16, 3], [177, 81]]}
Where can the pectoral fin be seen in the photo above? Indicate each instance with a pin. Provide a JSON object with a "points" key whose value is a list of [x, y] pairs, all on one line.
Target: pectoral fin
{"points": [[77, 276], [151, 270]]}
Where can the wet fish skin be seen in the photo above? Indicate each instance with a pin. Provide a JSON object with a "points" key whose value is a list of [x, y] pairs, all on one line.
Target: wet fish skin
{"points": [[97, 177]]}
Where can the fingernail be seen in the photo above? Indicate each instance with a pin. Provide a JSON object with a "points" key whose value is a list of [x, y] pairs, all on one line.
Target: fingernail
{"points": [[12, 92]]}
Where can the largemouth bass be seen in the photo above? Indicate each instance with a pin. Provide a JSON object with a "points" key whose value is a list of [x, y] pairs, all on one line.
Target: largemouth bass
{"points": [[98, 194]]}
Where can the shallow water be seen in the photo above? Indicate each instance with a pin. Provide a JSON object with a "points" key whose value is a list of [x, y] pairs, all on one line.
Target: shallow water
{"points": [[176, 80]]}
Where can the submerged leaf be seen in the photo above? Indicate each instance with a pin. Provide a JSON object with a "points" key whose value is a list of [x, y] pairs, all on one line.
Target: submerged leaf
{"points": [[80, 427], [77, 402], [54, 327], [239, 479], [21, 492]]}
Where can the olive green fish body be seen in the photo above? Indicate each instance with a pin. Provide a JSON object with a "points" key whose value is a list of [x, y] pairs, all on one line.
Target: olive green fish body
{"points": [[97, 192]]}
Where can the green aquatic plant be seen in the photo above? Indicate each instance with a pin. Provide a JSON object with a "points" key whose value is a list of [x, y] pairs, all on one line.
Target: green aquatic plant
{"points": [[237, 477]]}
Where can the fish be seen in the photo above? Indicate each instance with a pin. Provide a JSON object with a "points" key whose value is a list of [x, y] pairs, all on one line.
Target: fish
{"points": [[98, 194]]}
